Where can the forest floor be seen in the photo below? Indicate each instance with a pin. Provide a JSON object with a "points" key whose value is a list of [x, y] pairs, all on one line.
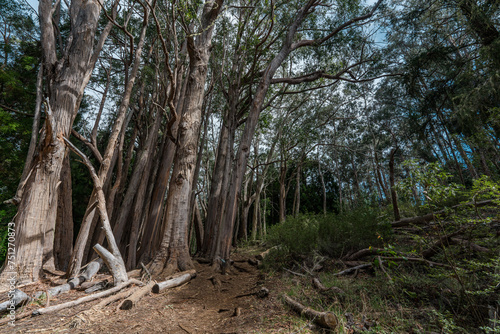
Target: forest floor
{"points": [[198, 306]]}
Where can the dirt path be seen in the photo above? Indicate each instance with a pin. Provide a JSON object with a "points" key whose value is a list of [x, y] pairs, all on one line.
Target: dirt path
{"points": [[196, 307]]}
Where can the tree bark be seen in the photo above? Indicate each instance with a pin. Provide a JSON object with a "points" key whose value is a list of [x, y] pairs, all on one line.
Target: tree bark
{"points": [[63, 239]]}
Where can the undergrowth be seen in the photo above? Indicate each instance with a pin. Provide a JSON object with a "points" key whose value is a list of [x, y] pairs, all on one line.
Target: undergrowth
{"points": [[453, 286]]}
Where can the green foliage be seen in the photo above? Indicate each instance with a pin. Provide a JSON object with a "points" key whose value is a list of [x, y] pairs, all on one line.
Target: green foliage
{"points": [[330, 234], [351, 231], [428, 185]]}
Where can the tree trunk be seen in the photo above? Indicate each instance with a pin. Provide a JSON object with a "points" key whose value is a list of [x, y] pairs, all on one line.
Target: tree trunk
{"points": [[174, 246], [282, 198], [323, 188], [394, 195], [37, 211], [108, 158], [63, 240]]}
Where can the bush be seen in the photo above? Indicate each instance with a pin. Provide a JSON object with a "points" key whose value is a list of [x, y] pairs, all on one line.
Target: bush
{"points": [[330, 234], [298, 235], [351, 231]]}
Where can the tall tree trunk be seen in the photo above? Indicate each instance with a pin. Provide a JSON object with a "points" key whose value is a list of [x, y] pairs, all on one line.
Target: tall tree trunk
{"points": [[174, 251], [109, 157], [37, 211]]}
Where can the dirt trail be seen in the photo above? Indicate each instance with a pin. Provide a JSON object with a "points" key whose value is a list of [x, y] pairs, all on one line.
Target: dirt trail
{"points": [[196, 307]]}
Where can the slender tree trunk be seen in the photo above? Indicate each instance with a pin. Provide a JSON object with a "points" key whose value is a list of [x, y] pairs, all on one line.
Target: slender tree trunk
{"points": [[323, 188], [394, 195]]}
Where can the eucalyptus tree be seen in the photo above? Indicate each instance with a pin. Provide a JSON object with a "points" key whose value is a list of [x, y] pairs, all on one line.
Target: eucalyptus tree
{"points": [[291, 43], [67, 67], [449, 77], [173, 252]]}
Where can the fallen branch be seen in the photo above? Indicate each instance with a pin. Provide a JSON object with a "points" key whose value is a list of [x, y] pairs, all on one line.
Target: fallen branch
{"points": [[182, 278], [262, 293], [364, 253], [442, 213], [16, 298], [416, 259], [128, 303], [113, 259], [323, 319], [86, 299], [318, 285], [92, 268], [381, 265], [294, 273], [114, 263], [353, 269], [18, 316]]}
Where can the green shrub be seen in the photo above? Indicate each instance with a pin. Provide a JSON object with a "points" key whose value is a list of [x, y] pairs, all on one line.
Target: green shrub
{"points": [[299, 235], [351, 231], [330, 234]]}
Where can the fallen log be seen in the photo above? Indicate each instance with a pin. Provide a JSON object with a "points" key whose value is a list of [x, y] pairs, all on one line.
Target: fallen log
{"points": [[323, 319], [442, 242], [469, 244], [179, 279], [16, 298], [430, 216], [262, 255], [92, 269], [128, 303], [86, 299], [113, 298], [318, 285]]}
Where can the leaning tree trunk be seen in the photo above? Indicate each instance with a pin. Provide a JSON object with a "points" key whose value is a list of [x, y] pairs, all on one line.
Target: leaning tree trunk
{"points": [[174, 249], [66, 82]]}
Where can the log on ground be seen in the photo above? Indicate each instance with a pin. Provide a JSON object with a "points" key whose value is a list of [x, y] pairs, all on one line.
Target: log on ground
{"points": [[16, 298], [92, 269], [179, 279], [128, 303], [323, 319], [86, 299]]}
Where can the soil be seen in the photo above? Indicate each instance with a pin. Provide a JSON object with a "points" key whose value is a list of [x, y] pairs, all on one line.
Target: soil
{"points": [[199, 306]]}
